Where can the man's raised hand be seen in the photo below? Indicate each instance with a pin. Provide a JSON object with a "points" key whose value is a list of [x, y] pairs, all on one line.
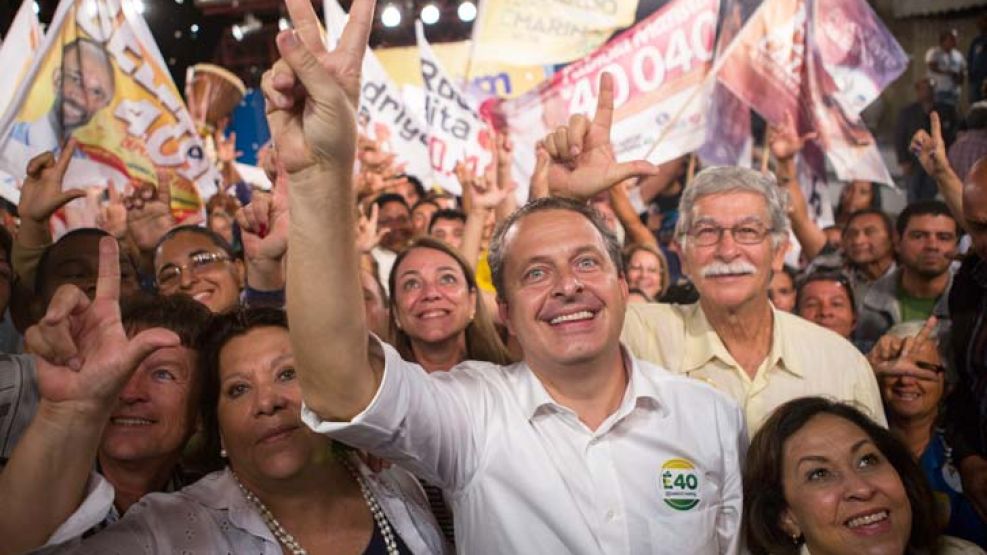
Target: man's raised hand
{"points": [[83, 354], [930, 148], [42, 194], [311, 93], [582, 158]]}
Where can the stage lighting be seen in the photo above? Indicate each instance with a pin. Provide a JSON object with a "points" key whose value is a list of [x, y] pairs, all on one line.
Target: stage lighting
{"points": [[466, 11], [250, 25], [391, 16], [430, 14]]}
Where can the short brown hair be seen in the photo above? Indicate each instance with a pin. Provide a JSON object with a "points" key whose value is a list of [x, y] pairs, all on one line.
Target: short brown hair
{"points": [[764, 497]]}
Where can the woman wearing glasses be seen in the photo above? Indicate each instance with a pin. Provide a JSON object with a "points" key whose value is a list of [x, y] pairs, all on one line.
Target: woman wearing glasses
{"points": [[912, 387], [199, 263]]}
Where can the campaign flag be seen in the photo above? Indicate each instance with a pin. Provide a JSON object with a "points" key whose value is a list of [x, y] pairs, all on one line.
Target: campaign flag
{"points": [[456, 132], [16, 53], [547, 32], [99, 77], [383, 114], [857, 51], [661, 88], [728, 130], [775, 67]]}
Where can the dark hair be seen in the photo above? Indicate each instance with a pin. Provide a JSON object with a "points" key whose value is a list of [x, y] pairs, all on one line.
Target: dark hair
{"points": [[875, 204], [885, 219], [43, 271], [482, 341], [216, 238], [446, 214], [179, 313], [764, 497], [224, 202], [6, 243], [923, 208], [388, 198], [497, 253], [976, 118], [825, 275], [221, 329], [791, 272], [423, 202], [416, 183]]}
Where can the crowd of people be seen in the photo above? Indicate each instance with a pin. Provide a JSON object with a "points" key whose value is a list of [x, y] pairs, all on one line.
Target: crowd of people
{"points": [[352, 363]]}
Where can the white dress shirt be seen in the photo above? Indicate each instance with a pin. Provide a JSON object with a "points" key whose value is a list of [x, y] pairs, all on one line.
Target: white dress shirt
{"points": [[212, 516], [525, 475]]}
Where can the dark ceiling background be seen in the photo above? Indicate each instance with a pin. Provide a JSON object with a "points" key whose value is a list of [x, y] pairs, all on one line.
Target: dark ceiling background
{"points": [[211, 39]]}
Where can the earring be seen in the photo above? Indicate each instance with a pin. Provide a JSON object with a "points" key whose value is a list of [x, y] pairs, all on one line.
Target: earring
{"points": [[797, 539], [222, 453]]}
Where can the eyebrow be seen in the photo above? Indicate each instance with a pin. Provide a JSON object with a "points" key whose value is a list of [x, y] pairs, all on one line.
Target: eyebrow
{"points": [[280, 358], [819, 458]]}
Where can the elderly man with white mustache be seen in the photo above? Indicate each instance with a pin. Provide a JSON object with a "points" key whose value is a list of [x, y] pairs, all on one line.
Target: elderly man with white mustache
{"points": [[732, 234]]}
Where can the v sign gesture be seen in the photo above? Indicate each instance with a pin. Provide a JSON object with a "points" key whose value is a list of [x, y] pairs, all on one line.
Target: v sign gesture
{"points": [[312, 92], [582, 158]]}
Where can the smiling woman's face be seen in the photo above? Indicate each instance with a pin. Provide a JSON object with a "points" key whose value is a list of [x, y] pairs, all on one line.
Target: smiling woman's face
{"points": [[843, 495]]}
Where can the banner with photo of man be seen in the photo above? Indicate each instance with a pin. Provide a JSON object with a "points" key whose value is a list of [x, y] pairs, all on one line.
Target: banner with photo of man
{"points": [[99, 77]]}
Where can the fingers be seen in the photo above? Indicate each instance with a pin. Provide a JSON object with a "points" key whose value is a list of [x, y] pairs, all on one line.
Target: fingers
{"points": [[65, 157], [300, 59], [164, 193], [39, 163], [627, 170], [307, 25], [356, 34], [923, 336], [69, 195], [604, 103], [277, 95], [108, 280], [935, 125], [374, 213], [145, 343], [52, 338], [578, 129], [561, 140]]}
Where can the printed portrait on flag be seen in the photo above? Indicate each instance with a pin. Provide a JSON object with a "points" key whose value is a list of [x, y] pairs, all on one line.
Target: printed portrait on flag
{"points": [[99, 78]]}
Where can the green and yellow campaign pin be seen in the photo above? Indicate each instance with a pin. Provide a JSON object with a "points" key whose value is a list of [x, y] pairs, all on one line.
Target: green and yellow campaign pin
{"points": [[680, 484]]}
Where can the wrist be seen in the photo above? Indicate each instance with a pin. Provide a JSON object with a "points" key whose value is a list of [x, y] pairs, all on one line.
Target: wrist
{"points": [[265, 274], [75, 413]]}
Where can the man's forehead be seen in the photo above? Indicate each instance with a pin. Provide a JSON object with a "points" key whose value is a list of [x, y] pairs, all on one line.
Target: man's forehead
{"points": [[738, 204], [567, 229]]}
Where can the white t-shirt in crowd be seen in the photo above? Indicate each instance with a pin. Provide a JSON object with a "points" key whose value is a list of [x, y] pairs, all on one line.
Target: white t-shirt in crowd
{"points": [[951, 61]]}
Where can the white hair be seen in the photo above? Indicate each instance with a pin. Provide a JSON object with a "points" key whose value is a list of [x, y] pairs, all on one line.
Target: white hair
{"points": [[725, 179]]}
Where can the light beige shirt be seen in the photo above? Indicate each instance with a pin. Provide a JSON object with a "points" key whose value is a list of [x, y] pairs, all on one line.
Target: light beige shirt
{"points": [[805, 359]]}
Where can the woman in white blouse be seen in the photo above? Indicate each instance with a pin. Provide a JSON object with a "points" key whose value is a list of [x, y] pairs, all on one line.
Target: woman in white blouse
{"points": [[285, 489]]}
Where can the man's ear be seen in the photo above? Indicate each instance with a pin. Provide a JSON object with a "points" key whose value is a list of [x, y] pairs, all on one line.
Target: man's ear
{"points": [[504, 313]]}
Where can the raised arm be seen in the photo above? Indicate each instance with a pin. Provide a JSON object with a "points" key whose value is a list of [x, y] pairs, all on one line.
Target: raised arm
{"points": [[784, 144], [83, 361], [636, 231], [311, 96], [930, 148], [41, 196]]}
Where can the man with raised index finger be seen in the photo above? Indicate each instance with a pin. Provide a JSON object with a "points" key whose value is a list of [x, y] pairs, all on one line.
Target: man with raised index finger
{"points": [[580, 448]]}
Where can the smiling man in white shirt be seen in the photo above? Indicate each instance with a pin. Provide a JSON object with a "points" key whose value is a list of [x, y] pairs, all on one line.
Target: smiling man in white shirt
{"points": [[579, 448]]}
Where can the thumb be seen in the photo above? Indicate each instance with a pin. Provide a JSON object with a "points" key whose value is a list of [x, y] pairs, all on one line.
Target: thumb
{"points": [[68, 195], [145, 343], [300, 60], [627, 170]]}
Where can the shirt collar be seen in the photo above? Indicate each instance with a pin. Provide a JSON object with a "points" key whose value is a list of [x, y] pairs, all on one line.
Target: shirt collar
{"points": [[220, 491], [703, 344], [536, 400]]}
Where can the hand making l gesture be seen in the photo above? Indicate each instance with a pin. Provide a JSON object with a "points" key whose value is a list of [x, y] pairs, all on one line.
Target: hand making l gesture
{"points": [[84, 356], [582, 157]]}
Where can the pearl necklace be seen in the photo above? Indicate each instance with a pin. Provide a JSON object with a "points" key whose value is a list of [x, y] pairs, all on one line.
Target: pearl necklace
{"points": [[289, 541]]}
